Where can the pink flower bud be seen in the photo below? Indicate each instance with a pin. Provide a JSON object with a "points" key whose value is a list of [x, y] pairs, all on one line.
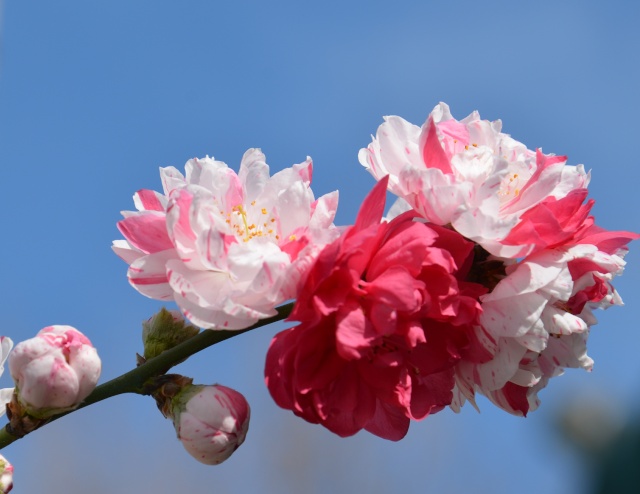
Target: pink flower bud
{"points": [[211, 421], [54, 371], [6, 475]]}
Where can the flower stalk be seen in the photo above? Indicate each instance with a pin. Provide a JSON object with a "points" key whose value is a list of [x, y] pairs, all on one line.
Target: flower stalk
{"points": [[135, 380]]}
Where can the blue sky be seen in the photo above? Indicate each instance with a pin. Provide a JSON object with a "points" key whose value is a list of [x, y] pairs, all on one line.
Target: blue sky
{"points": [[95, 96]]}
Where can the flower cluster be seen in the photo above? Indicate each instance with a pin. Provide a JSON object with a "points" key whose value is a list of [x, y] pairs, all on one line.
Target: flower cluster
{"points": [[226, 247], [484, 280]]}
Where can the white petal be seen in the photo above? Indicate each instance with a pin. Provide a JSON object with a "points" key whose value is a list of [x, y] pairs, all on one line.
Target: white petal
{"points": [[148, 275], [125, 251]]}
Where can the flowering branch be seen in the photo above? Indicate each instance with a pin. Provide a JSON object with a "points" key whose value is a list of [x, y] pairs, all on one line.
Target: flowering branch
{"points": [[135, 380], [482, 278]]}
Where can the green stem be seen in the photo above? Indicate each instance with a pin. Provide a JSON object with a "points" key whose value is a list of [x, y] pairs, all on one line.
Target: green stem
{"points": [[134, 380]]}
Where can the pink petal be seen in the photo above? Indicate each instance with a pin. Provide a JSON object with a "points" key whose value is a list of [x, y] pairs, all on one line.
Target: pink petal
{"points": [[146, 231], [372, 207], [388, 423], [432, 152], [149, 200]]}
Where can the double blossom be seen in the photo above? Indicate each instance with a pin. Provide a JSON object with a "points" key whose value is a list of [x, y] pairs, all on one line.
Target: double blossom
{"points": [[226, 247], [385, 314]]}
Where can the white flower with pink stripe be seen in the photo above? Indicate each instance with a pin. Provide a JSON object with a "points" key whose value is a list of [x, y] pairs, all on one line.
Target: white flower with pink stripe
{"points": [[474, 177], [539, 317], [227, 247]]}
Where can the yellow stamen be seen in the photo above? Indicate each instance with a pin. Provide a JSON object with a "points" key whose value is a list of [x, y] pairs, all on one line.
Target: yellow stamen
{"points": [[240, 210]]}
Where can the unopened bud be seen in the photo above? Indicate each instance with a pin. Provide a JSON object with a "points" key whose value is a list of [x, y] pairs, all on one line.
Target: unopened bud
{"points": [[6, 475], [165, 330], [211, 421], [54, 371]]}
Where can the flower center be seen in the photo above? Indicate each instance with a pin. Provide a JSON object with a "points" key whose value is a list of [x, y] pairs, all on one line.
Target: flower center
{"points": [[510, 187], [485, 271], [248, 223]]}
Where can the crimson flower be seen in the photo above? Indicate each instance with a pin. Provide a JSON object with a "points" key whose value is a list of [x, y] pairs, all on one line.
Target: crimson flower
{"points": [[385, 313]]}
